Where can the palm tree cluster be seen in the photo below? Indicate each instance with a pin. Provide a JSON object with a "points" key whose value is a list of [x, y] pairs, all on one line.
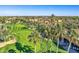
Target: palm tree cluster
{"points": [[57, 28], [48, 29]]}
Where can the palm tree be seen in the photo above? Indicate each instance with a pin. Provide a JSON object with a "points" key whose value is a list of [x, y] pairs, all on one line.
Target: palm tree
{"points": [[54, 31], [51, 35], [35, 38], [71, 39], [4, 32], [71, 34], [58, 30]]}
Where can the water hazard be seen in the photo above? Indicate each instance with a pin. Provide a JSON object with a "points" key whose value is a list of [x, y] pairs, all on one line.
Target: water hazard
{"points": [[65, 43]]}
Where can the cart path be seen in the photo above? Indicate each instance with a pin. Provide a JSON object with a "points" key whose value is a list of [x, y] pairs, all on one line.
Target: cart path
{"points": [[3, 44]]}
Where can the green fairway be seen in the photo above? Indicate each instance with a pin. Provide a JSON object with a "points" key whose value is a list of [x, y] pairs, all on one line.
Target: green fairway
{"points": [[22, 38]]}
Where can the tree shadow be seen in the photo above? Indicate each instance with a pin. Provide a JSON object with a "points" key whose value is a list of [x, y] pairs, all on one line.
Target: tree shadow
{"points": [[24, 48], [12, 51], [27, 49], [18, 46]]}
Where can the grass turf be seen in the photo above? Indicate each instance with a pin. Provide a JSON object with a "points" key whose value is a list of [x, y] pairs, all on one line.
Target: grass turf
{"points": [[22, 37]]}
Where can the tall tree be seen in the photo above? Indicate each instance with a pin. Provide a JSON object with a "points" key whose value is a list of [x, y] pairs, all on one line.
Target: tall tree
{"points": [[35, 38]]}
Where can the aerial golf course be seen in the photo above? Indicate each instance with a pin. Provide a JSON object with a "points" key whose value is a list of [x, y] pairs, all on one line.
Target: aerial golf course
{"points": [[34, 36], [22, 38]]}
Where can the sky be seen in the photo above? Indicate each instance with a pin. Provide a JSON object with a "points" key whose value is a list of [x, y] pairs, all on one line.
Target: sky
{"points": [[39, 10]]}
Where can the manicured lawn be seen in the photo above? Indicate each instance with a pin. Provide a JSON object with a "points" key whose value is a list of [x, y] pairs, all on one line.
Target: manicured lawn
{"points": [[22, 37]]}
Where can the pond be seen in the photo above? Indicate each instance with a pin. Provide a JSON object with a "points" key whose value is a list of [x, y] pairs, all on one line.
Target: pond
{"points": [[65, 43]]}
